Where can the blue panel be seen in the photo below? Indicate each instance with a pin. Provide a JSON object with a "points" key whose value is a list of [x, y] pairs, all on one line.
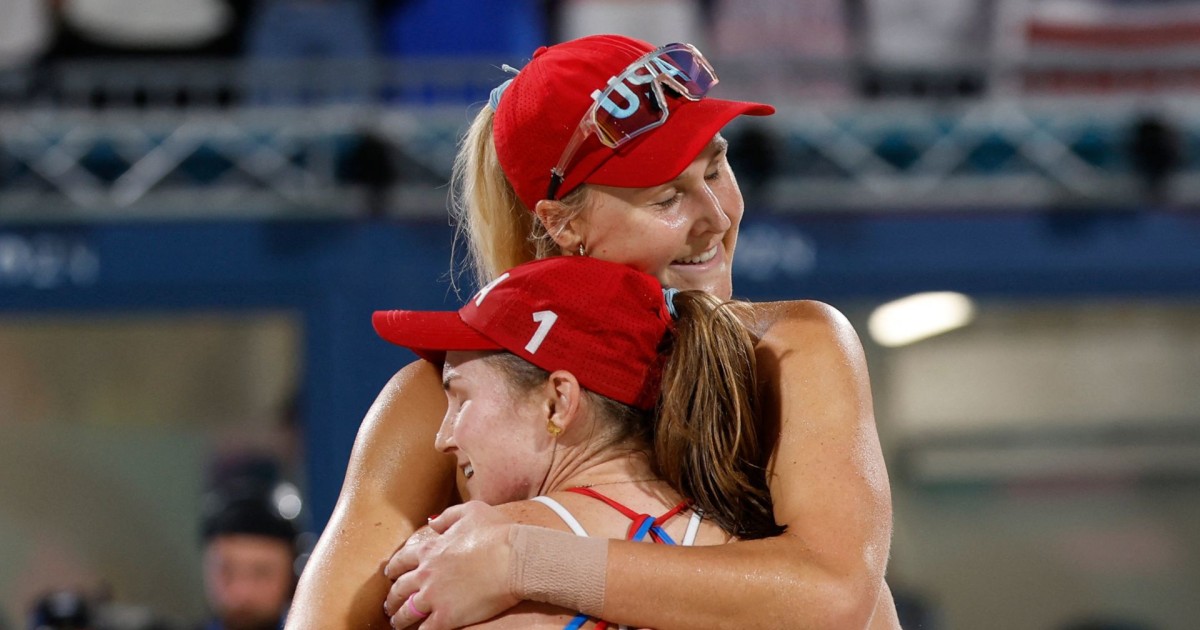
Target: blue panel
{"points": [[1005, 254], [509, 30]]}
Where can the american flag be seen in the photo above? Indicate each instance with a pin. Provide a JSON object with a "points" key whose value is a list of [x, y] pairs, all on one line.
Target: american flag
{"points": [[1110, 45]]}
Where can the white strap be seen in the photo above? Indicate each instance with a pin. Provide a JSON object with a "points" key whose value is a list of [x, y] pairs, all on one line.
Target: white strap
{"points": [[689, 536], [562, 513]]}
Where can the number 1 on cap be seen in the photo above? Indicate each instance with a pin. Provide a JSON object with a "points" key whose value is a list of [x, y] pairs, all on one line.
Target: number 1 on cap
{"points": [[545, 320]]}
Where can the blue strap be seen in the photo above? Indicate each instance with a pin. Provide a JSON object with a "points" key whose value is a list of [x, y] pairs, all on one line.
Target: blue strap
{"points": [[497, 93], [643, 528], [669, 297], [662, 535], [577, 622]]}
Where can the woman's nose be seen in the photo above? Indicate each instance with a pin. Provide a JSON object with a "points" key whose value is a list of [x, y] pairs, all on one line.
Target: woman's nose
{"points": [[711, 214], [444, 440]]}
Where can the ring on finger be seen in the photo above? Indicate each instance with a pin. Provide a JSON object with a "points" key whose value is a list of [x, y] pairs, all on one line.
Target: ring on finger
{"points": [[412, 607]]}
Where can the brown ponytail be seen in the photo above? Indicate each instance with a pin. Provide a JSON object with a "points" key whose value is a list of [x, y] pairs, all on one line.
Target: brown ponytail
{"points": [[707, 440]]}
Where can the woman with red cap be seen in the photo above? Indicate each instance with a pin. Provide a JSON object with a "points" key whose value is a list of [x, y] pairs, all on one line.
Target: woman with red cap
{"points": [[586, 398], [606, 147]]}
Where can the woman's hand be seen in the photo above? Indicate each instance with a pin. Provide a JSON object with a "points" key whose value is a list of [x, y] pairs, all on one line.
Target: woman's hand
{"points": [[456, 570]]}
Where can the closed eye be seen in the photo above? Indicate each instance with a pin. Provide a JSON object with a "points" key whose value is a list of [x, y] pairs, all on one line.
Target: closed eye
{"points": [[667, 203]]}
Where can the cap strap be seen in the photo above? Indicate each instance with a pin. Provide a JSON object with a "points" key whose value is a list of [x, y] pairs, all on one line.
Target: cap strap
{"points": [[497, 92], [669, 296]]}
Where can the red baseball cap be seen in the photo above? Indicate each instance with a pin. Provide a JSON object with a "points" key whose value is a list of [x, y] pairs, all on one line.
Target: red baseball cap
{"points": [[601, 321], [539, 111]]}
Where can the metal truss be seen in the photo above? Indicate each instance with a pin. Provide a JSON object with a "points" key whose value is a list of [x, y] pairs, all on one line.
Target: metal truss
{"points": [[985, 154], [82, 164]]}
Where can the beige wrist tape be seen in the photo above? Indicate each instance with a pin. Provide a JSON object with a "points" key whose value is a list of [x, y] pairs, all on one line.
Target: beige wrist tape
{"points": [[558, 568]]}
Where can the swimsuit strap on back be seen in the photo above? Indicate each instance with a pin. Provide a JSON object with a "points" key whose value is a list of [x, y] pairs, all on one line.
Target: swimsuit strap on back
{"points": [[562, 513], [642, 524]]}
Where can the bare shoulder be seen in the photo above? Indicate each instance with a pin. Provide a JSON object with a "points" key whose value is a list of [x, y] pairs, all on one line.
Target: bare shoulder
{"points": [[411, 402], [807, 325], [396, 436], [532, 513], [419, 382], [812, 365]]}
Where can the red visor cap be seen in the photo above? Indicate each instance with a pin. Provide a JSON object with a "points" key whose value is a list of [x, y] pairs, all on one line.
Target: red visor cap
{"points": [[603, 322], [539, 112]]}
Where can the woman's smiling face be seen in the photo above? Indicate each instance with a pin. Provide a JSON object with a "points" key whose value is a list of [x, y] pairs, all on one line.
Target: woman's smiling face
{"points": [[682, 232], [497, 434]]}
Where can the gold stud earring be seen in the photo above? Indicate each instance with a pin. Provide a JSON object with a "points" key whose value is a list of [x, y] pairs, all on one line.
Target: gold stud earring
{"points": [[553, 429]]}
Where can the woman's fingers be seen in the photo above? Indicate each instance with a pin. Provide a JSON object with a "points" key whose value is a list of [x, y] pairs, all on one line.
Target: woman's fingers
{"points": [[401, 562], [459, 576], [408, 556], [399, 592], [453, 514], [400, 605], [409, 613]]}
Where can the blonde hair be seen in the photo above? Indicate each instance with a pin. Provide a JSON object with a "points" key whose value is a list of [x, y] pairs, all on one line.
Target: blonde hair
{"points": [[500, 232]]}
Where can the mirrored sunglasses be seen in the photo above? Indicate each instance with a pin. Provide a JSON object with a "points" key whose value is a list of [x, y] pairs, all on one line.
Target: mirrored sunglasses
{"points": [[635, 101]]}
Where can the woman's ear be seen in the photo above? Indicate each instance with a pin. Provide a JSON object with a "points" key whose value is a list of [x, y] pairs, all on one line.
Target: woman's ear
{"points": [[564, 229], [564, 401]]}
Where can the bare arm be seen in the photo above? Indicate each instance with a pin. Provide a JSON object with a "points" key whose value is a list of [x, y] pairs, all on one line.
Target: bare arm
{"points": [[828, 483], [395, 480]]}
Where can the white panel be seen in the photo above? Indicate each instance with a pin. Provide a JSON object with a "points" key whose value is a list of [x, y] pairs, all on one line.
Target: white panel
{"points": [[1051, 367]]}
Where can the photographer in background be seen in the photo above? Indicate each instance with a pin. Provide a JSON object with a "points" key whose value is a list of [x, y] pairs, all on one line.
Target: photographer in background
{"points": [[249, 559]]}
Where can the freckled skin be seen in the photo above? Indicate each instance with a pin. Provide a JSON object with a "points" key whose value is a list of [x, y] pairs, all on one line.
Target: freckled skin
{"points": [[487, 426]]}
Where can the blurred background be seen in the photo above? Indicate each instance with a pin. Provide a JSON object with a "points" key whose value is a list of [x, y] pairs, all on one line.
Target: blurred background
{"points": [[201, 202]]}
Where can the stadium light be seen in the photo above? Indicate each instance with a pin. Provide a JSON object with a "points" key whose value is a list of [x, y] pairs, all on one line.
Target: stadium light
{"points": [[919, 316]]}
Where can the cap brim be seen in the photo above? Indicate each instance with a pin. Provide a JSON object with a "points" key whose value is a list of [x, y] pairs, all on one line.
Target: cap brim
{"points": [[430, 334], [662, 154]]}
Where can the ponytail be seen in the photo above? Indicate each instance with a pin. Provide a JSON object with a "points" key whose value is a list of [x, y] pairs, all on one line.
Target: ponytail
{"points": [[500, 232], [707, 441], [484, 207]]}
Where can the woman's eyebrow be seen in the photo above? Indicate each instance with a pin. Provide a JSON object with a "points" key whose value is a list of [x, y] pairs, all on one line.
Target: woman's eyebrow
{"points": [[448, 377], [722, 147]]}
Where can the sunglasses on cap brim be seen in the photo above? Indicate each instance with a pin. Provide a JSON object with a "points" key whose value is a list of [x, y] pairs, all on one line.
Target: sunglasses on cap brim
{"points": [[635, 101]]}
